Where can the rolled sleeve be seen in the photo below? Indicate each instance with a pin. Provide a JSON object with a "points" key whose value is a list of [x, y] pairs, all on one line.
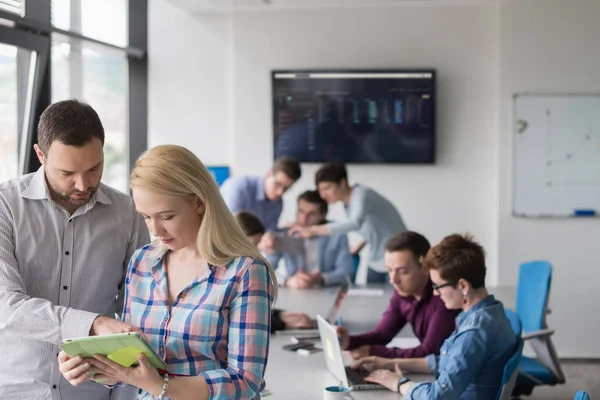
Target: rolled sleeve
{"points": [[249, 335], [432, 363]]}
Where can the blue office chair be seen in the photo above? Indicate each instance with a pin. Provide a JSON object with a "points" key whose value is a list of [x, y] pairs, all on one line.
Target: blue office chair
{"points": [[533, 291], [355, 264], [509, 376], [515, 321], [581, 395]]}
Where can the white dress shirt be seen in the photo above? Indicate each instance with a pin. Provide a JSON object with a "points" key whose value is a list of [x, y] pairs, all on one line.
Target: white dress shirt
{"points": [[58, 272]]}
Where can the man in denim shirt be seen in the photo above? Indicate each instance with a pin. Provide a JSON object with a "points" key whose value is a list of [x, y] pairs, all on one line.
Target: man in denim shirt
{"points": [[472, 360]]}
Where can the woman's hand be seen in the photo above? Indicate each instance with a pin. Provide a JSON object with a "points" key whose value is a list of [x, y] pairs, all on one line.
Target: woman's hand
{"points": [[376, 362], [143, 376], [386, 378]]}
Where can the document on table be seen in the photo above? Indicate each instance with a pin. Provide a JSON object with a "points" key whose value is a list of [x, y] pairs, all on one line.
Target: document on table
{"points": [[371, 292], [404, 342]]}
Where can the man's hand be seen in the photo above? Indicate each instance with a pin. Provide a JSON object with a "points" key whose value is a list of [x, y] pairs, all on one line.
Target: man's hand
{"points": [[344, 337], [296, 320], [268, 243], [360, 352], [299, 231], [357, 247], [300, 280], [317, 278], [107, 326]]}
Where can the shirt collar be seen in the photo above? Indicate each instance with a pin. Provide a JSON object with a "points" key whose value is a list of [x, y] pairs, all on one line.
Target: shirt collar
{"points": [[427, 293], [488, 301], [38, 189]]}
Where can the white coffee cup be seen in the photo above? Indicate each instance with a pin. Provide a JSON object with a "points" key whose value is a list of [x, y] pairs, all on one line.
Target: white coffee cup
{"points": [[337, 393]]}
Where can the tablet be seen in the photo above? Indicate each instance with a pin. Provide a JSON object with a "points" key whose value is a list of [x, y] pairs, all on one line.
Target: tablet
{"points": [[289, 245], [122, 348]]}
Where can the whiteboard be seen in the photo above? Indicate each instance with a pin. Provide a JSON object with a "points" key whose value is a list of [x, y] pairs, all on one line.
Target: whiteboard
{"points": [[556, 163]]}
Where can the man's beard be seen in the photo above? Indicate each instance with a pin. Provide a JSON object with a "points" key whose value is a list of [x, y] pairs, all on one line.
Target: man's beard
{"points": [[68, 196]]}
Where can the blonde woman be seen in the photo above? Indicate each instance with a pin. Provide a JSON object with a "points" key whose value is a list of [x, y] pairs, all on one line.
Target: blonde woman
{"points": [[201, 292]]}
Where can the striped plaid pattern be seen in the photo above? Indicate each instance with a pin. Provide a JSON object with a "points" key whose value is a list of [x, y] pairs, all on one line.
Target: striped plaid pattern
{"points": [[218, 327]]}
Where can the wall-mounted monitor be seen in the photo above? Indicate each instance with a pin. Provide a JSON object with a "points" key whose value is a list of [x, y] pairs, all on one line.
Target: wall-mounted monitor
{"points": [[354, 116]]}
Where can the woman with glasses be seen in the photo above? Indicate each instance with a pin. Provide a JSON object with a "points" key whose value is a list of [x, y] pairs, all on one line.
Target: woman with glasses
{"points": [[471, 361]]}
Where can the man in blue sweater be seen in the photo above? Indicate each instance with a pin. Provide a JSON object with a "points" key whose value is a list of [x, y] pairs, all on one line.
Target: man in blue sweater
{"points": [[323, 261]]}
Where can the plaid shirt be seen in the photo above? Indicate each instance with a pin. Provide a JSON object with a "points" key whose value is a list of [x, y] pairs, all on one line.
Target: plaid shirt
{"points": [[218, 328]]}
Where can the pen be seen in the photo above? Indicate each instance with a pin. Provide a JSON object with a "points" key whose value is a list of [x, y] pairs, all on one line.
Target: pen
{"points": [[339, 322]]}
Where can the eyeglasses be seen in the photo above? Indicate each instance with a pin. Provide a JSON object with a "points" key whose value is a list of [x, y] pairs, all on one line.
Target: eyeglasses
{"points": [[438, 287]]}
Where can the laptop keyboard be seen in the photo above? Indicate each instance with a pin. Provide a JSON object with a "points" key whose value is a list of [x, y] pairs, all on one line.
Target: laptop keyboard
{"points": [[355, 377], [357, 381]]}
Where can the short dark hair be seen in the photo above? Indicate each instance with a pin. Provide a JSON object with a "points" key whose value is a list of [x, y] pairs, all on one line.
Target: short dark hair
{"points": [[416, 243], [331, 172], [289, 166], [250, 223], [70, 122], [458, 257], [312, 196]]}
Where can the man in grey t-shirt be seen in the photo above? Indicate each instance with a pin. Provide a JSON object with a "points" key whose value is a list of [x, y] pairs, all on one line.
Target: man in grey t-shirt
{"points": [[369, 213]]}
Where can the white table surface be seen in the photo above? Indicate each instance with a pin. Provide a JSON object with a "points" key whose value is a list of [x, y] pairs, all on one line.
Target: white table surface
{"points": [[290, 375]]}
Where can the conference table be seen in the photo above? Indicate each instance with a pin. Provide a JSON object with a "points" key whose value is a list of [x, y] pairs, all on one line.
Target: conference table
{"points": [[290, 375]]}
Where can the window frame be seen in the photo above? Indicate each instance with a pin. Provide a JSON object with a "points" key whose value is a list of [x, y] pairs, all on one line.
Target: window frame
{"points": [[33, 32]]}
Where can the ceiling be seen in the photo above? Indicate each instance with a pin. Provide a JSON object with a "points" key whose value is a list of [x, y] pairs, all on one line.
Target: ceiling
{"points": [[203, 6]]}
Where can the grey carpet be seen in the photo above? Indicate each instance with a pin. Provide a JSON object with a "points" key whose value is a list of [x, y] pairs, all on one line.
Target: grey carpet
{"points": [[579, 375]]}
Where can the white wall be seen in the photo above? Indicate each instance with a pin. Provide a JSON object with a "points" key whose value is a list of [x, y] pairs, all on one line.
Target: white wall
{"points": [[189, 84], [551, 48]]}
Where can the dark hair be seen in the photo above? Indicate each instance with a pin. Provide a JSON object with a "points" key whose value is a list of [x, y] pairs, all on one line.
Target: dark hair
{"points": [[250, 223], [331, 172], [70, 122], [289, 166], [312, 196], [416, 243], [458, 257]]}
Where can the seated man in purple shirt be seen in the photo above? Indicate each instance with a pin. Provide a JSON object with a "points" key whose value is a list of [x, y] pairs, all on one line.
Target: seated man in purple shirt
{"points": [[262, 196], [412, 302]]}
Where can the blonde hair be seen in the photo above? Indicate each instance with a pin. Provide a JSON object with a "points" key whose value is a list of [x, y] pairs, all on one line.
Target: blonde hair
{"points": [[175, 171]]}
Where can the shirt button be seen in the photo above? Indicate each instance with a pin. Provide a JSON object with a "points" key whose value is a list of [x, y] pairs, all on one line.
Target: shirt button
{"points": [[53, 386], [443, 385], [67, 253], [444, 352], [162, 348], [65, 287]]}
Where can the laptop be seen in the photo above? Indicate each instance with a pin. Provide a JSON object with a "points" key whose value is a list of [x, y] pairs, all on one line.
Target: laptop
{"points": [[349, 377], [332, 315]]}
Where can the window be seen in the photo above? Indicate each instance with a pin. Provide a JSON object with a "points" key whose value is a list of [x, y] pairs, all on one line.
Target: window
{"points": [[104, 20], [16, 84], [96, 74], [92, 50], [99, 77], [12, 6]]}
